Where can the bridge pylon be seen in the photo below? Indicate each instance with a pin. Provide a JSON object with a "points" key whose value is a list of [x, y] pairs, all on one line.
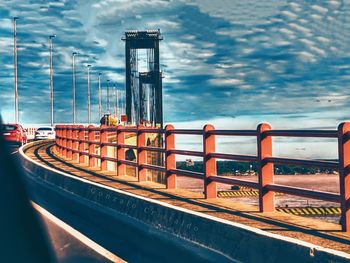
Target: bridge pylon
{"points": [[144, 103]]}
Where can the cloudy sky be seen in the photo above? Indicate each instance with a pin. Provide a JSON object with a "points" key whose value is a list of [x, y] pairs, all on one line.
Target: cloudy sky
{"points": [[233, 63]]}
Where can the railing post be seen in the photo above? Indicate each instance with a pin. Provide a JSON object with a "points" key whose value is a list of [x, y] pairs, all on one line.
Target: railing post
{"points": [[64, 135], [209, 163], [170, 162], [265, 170], [91, 149], [69, 142], [141, 154], [344, 173], [81, 138], [58, 143], [61, 141], [75, 143], [120, 151], [104, 148]]}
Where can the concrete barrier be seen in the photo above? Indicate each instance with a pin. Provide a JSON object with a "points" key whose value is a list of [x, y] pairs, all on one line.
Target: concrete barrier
{"points": [[235, 241]]}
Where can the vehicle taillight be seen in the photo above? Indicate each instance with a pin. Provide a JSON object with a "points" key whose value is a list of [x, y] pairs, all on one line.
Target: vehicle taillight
{"points": [[50, 133]]}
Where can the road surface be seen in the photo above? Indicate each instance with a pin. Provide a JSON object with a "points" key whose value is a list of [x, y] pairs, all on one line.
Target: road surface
{"points": [[119, 235], [69, 245]]}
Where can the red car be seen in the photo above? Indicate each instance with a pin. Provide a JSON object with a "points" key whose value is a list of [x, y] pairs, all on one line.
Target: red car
{"points": [[14, 133]]}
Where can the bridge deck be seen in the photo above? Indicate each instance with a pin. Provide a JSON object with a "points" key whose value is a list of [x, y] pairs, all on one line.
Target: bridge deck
{"points": [[314, 231]]}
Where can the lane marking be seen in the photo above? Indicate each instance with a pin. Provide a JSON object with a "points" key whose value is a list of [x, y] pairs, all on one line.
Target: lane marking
{"points": [[75, 233]]}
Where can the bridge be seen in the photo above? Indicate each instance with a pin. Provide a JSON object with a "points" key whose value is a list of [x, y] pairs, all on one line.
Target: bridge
{"points": [[118, 187], [91, 164]]}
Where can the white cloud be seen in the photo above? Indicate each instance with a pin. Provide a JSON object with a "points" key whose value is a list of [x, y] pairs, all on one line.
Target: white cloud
{"points": [[163, 23], [300, 28], [323, 39], [295, 6], [225, 82], [316, 17], [289, 14], [288, 32], [6, 24], [6, 44], [320, 9]]}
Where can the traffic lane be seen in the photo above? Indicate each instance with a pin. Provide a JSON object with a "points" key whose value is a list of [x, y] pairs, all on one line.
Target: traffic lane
{"points": [[88, 221], [13, 149], [68, 248], [124, 236]]}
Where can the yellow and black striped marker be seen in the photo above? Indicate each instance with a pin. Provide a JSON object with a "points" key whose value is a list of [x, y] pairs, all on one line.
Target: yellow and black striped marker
{"points": [[299, 211], [311, 211], [239, 193]]}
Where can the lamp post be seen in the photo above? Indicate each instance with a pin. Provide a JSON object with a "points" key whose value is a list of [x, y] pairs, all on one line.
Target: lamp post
{"points": [[115, 100], [118, 106], [51, 80], [99, 97], [108, 96], [15, 67], [73, 86], [124, 102], [88, 92]]}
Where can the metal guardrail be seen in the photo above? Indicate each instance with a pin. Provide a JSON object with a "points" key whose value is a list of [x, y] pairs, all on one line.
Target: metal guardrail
{"points": [[75, 142]]}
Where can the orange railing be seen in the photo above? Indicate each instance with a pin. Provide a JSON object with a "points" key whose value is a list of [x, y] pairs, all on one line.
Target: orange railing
{"points": [[76, 142]]}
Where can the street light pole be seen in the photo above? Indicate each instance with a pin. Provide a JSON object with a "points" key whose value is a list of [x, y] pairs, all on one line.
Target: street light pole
{"points": [[73, 86], [15, 67], [51, 81], [118, 108], [99, 97], [115, 100], [123, 102], [108, 96], [121, 98], [88, 92]]}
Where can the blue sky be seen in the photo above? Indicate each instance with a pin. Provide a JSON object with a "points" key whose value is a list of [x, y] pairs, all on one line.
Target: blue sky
{"points": [[233, 63]]}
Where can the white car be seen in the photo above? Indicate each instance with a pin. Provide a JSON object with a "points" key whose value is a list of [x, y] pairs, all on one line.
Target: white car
{"points": [[44, 133]]}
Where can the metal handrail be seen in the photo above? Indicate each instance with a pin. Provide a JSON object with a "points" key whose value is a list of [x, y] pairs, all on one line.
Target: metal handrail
{"points": [[186, 132], [303, 133], [70, 139], [302, 162], [186, 152], [321, 195], [150, 130], [233, 132], [233, 157], [186, 173], [127, 146], [151, 149], [233, 181], [152, 167]]}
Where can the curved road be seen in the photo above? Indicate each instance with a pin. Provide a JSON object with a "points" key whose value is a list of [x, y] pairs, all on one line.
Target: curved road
{"points": [[69, 245], [119, 235]]}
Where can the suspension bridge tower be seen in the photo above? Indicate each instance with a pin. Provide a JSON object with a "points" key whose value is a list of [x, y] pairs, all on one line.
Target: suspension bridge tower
{"points": [[144, 103]]}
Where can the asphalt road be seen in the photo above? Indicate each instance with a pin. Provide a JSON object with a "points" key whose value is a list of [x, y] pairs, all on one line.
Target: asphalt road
{"points": [[69, 248], [69, 245], [118, 234]]}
